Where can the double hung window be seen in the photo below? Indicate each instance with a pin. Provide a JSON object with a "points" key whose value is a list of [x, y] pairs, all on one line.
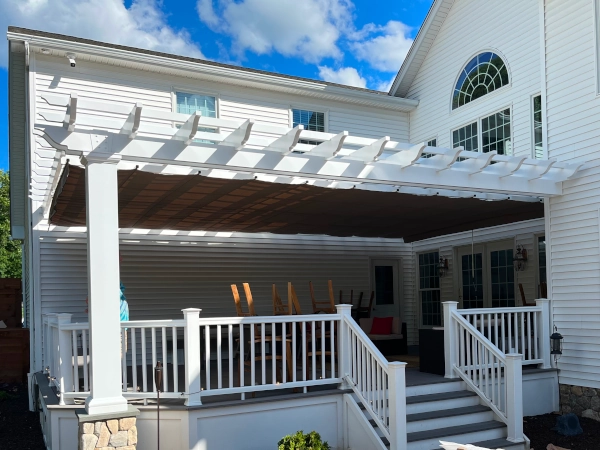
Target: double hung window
{"points": [[490, 133], [311, 120], [190, 103], [538, 140]]}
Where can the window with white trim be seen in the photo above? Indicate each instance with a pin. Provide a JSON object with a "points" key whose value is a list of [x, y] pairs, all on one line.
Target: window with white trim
{"points": [[311, 120], [538, 139], [429, 289], [493, 132], [483, 74], [190, 103]]}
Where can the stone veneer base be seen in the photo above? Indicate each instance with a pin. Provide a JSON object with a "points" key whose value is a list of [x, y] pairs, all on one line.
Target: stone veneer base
{"points": [[583, 401], [108, 431]]}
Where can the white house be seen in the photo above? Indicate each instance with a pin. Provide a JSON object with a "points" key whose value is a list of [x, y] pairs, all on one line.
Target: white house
{"points": [[464, 193]]}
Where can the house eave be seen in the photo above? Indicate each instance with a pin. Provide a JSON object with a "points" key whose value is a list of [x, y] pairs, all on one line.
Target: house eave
{"points": [[410, 66], [207, 70]]}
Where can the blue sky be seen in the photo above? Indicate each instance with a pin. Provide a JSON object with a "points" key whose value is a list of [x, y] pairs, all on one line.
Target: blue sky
{"points": [[355, 42]]}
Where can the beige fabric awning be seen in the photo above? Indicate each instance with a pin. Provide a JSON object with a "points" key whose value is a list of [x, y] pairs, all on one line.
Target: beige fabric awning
{"points": [[195, 202]]}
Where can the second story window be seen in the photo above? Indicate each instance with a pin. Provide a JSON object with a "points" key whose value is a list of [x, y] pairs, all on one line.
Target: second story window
{"points": [[190, 103], [483, 74], [493, 132], [312, 120]]}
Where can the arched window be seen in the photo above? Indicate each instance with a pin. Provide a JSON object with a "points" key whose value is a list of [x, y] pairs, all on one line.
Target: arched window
{"points": [[482, 75]]}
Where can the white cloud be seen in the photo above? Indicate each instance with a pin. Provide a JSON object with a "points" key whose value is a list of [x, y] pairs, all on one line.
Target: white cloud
{"points": [[383, 47], [142, 25], [384, 85], [345, 75], [308, 29]]}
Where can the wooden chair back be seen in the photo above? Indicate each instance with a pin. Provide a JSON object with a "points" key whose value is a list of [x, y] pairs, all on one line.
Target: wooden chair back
{"points": [[523, 300], [325, 307], [238, 302], [364, 312], [293, 300], [279, 309]]}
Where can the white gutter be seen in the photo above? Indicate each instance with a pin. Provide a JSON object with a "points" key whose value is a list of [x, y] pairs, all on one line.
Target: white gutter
{"points": [[229, 75]]}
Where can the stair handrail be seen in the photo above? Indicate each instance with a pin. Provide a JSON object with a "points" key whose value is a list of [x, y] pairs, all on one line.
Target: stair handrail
{"points": [[379, 384], [481, 365]]}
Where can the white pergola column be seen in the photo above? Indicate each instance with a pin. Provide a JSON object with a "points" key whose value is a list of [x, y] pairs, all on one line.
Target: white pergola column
{"points": [[103, 284]]}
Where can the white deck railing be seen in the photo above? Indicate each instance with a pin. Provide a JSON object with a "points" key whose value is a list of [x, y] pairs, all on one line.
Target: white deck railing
{"points": [[487, 348], [236, 355], [379, 385]]}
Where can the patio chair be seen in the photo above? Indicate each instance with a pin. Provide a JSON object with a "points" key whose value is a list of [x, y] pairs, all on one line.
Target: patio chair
{"points": [[317, 334], [327, 307], [257, 341], [364, 312], [279, 309]]}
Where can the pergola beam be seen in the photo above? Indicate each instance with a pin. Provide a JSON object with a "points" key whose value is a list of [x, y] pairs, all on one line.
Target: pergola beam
{"points": [[253, 148]]}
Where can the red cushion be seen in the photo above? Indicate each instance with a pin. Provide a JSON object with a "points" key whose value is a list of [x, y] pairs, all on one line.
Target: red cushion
{"points": [[382, 325]]}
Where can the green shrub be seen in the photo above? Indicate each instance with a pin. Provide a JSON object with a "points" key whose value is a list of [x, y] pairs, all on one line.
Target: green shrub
{"points": [[301, 441]]}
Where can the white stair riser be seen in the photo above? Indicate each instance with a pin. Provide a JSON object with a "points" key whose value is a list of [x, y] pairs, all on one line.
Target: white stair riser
{"points": [[436, 388], [443, 422], [439, 405], [466, 438]]}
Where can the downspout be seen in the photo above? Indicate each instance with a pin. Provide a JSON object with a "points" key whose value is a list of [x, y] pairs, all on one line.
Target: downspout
{"points": [[28, 222]]}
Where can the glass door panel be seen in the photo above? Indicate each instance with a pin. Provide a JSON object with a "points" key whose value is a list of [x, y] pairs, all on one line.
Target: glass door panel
{"points": [[502, 278], [386, 284], [472, 280]]}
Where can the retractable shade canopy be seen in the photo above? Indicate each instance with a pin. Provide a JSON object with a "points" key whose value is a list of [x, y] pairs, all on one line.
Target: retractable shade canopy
{"points": [[196, 202]]}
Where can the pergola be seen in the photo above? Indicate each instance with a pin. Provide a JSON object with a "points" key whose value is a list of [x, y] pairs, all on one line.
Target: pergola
{"points": [[148, 168]]}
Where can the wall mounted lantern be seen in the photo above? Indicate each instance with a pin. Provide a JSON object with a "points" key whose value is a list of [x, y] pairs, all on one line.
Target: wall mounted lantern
{"points": [[520, 259], [442, 267], [556, 341]]}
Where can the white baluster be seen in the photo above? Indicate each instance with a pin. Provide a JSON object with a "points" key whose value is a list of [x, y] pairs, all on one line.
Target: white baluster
{"points": [[65, 357], [175, 361], [164, 357], [230, 351], [144, 362], [75, 361], [86, 385], [133, 361], [207, 355]]}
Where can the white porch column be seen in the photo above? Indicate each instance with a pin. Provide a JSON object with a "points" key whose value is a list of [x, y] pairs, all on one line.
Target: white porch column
{"points": [[545, 322], [344, 344], [514, 397], [102, 222], [397, 405], [450, 350]]}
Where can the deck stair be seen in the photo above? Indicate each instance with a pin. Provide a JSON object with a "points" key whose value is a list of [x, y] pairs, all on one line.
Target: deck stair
{"points": [[444, 409]]}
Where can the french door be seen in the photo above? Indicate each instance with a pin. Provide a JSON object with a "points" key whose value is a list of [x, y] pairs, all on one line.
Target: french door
{"points": [[486, 277]]}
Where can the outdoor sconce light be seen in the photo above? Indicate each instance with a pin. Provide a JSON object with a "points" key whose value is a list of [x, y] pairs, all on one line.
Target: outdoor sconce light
{"points": [[442, 267], [556, 344], [520, 258]]}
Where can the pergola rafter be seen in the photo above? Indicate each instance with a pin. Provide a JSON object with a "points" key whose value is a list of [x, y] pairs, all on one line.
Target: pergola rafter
{"points": [[238, 149]]}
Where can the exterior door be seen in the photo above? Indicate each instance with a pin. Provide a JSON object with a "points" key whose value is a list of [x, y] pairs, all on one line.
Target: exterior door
{"points": [[470, 274], [385, 281]]}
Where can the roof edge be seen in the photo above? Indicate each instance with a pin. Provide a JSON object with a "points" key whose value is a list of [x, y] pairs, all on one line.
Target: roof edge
{"points": [[267, 80], [415, 47]]}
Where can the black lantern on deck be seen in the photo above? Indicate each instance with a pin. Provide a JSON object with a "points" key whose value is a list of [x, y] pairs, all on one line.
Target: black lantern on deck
{"points": [[158, 376], [556, 343]]}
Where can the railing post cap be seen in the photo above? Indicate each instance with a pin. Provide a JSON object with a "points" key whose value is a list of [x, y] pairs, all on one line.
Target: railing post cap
{"points": [[514, 356], [344, 309], [191, 310], [397, 365], [64, 317], [542, 300], [450, 303]]}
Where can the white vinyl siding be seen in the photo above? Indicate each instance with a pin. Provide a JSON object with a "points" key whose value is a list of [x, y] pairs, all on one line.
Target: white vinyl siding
{"points": [[572, 238], [161, 278], [472, 27]]}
